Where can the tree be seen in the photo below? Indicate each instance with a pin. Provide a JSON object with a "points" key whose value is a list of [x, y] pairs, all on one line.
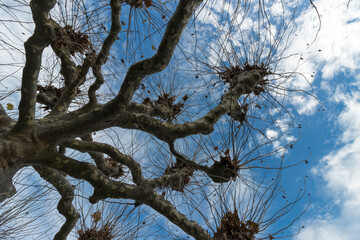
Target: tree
{"points": [[177, 108]]}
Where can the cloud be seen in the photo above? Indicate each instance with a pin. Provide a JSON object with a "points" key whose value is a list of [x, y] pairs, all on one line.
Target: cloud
{"points": [[340, 170], [322, 229], [336, 46]]}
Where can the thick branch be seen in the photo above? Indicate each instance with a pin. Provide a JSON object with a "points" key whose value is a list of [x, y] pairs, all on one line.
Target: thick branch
{"points": [[104, 52], [12, 155], [77, 124], [243, 84], [159, 110], [7, 188], [167, 209], [34, 47], [98, 158], [105, 188], [85, 146], [64, 206], [5, 120], [161, 59], [176, 181]]}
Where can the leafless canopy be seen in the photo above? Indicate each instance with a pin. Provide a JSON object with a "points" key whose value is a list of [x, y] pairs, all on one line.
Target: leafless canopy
{"points": [[153, 107]]}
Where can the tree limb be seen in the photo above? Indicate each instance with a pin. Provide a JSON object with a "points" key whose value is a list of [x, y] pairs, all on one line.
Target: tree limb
{"points": [[5, 120], [168, 132], [85, 146], [106, 188], [218, 172], [176, 181], [73, 125], [104, 52], [64, 206], [34, 47], [161, 59]]}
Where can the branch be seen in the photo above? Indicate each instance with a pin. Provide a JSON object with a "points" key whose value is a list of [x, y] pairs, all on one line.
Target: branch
{"points": [[176, 180], [73, 125], [168, 210], [105, 188], [242, 84], [85, 146], [5, 120], [34, 47], [74, 76], [64, 206], [139, 70], [219, 172], [102, 185], [158, 110], [98, 158], [104, 52], [7, 188], [168, 132], [71, 90]]}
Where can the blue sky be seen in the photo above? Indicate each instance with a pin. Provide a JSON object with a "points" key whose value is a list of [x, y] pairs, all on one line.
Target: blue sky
{"points": [[333, 135]]}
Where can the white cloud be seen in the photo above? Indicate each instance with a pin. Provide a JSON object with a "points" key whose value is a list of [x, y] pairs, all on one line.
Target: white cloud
{"points": [[322, 229], [337, 39], [305, 104], [340, 170], [340, 52], [335, 49], [271, 134]]}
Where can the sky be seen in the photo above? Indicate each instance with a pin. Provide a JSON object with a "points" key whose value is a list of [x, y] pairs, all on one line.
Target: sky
{"points": [[329, 137], [334, 134]]}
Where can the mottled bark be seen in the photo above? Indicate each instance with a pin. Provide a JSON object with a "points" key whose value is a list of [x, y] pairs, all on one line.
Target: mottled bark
{"points": [[106, 188], [5, 120], [34, 47], [138, 71], [64, 206], [105, 50], [85, 146]]}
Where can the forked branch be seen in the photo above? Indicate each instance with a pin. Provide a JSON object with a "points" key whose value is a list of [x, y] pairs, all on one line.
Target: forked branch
{"points": [[34, 47], [85, 146], [64, 206], [106, 188], [138, 71]]}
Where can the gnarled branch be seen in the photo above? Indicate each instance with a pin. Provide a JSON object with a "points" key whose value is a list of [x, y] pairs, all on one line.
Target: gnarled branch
{"points": [[64, 206], [34, 47], [105, 188], [161, 59], [86, 146]]}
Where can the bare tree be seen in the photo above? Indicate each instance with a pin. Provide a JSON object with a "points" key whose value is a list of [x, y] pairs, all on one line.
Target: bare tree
{"points": [[170, 105]]}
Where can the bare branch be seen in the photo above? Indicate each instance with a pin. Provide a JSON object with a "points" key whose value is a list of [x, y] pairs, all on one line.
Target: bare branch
{"points": [[104, 188], [243, 84], [5, 120], [34, 47], [85, 146], [161, 59], [167, 209], [104, 52], [72, 125], [176, 181], [218, 172], [64, 206], [7, 188]]}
